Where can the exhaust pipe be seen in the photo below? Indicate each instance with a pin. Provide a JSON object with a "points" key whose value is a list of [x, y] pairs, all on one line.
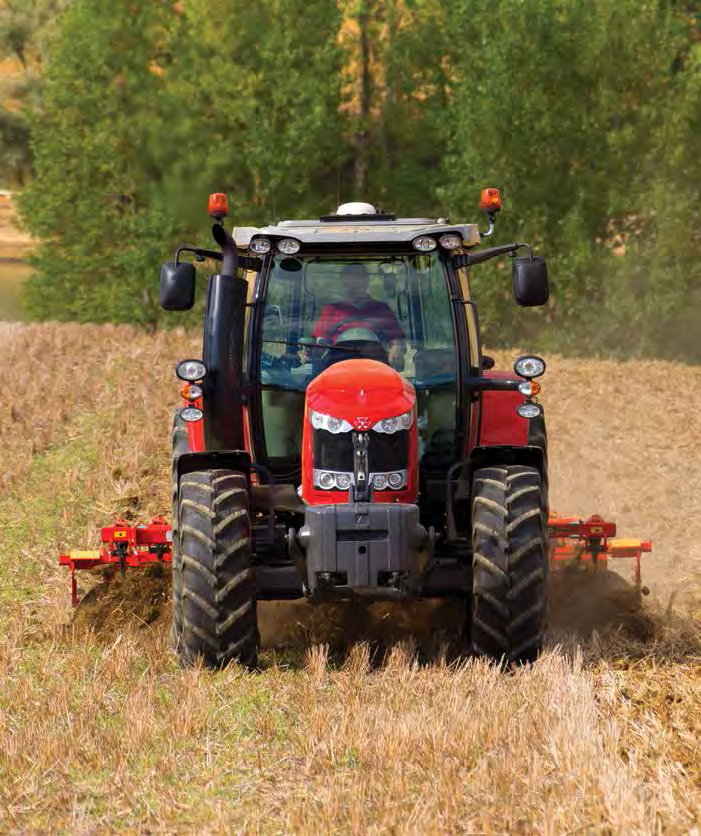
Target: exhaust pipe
{"points": [[222, 350]]}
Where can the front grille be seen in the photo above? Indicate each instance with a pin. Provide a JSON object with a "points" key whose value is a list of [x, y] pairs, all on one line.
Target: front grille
{"points": [[334, 451]]}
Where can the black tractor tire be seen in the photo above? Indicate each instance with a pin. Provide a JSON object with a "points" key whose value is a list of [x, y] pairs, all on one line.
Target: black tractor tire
{"points": [[509, 608], [218, 578], [180, 445]]}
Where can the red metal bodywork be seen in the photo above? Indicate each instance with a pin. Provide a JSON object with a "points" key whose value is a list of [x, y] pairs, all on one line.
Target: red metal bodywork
{"points": [[195, 429], [361, 392], [500, 424], [123, 546]]}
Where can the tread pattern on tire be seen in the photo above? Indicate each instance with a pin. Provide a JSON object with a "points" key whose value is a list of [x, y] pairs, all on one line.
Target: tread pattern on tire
{"points": [[218, 578], [180, 445], [509, 564]]}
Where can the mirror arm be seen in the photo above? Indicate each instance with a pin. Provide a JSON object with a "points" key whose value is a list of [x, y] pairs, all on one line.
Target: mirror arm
{"points": [[468, 259], [199, 253]]}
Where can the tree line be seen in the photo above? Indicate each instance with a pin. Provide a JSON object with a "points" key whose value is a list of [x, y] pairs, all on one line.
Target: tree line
{"points": [[586, 115]]}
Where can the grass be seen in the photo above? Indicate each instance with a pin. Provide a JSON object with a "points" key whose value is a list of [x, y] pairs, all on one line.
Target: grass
{"points": [[100, 730]]}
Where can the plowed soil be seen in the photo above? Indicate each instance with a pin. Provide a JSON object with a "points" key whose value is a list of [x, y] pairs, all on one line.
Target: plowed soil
{"points": [[138, 598]]}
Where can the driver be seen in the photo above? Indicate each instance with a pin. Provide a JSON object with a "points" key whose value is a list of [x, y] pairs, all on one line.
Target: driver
{"points": [[359, 312]]}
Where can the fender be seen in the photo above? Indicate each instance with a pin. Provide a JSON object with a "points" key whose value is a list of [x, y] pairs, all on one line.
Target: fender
{"points": [[209, 459], [500, 454], [500, 423]]}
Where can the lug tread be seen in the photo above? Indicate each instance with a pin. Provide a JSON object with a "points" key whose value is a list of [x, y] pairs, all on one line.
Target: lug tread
{"points": [[205, 539], [524, 583], [228, 494], [197, 566], [241, 577], [225, 523], [235, 616], [218, 576], [522, 492], [510, 564], [490, 566], [198, 508], [198, 486], [492, 505], [238, 546]]}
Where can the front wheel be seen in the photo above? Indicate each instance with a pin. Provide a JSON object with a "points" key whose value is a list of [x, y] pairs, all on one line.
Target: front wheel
{"points": [[509, 610]]}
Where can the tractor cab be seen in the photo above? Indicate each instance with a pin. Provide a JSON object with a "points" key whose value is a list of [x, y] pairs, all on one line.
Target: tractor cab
{"points": [[343, 395], [323, 308]]}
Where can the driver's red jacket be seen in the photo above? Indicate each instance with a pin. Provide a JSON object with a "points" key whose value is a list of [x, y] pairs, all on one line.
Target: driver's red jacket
{"points": [[338, 317]]}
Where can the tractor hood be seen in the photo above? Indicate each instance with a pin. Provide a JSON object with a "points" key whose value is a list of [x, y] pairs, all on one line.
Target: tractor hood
{"points": [[361, 392]]}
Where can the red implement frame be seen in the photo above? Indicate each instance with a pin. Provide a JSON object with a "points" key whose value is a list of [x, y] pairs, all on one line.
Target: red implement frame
{"points": [[593, 539], [135, 546], [123, 546]]}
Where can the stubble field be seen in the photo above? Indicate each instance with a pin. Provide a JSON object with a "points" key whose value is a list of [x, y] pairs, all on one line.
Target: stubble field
{"points": [[356, 722]]}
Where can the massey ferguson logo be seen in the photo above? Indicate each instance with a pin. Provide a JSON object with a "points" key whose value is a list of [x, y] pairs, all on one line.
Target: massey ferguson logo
{"points": [[362, 423]]}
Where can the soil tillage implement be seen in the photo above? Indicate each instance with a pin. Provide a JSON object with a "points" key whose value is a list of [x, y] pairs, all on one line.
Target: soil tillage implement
{"points": [[594, 541], [343, 435], [124, 546]]}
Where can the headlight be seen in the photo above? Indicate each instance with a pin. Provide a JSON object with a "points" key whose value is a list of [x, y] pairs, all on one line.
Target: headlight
{"points": [[424, 243], [326, 480], [190, 414], [379, 481], [191, 370], [450, 241], [329, 423], [529, 410], [329, 480], [394, 481], [391, 425], [529, 366], [260, 246], [288, 246], [343, 481]]}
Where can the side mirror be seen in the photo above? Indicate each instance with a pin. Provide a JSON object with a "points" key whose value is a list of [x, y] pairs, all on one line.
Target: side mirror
{"points": [[177, 288], [529, 281]]}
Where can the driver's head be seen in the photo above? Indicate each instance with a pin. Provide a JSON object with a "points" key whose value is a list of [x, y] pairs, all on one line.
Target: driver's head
{"points": [[355, 280]]}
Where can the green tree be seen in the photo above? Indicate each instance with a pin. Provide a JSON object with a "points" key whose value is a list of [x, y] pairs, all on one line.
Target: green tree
{"points": [[145, 110], [27, 28], [561, 105]]}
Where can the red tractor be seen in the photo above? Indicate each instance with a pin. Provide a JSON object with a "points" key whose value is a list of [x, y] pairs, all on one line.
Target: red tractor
{"points": [[344, 435]]}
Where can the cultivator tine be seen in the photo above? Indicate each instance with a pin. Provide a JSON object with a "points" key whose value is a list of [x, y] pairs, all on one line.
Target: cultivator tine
{"points": [[124, 546]]}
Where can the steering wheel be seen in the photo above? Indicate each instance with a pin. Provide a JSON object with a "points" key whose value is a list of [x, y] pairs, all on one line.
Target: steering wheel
{"points": [[359, 326]]}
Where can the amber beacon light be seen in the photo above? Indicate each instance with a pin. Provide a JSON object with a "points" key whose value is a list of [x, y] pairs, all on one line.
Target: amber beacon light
{"points": [[218, 206], [490, 200]]}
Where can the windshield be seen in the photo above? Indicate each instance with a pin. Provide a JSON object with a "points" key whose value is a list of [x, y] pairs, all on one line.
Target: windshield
{"points": [[390, 308]]}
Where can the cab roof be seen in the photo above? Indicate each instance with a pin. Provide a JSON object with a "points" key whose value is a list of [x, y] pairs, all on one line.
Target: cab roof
{"points": [[381, 228]]}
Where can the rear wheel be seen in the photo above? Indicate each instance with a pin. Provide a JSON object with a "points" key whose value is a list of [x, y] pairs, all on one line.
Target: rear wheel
{"points": [[509, 564], [218, 582]]}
